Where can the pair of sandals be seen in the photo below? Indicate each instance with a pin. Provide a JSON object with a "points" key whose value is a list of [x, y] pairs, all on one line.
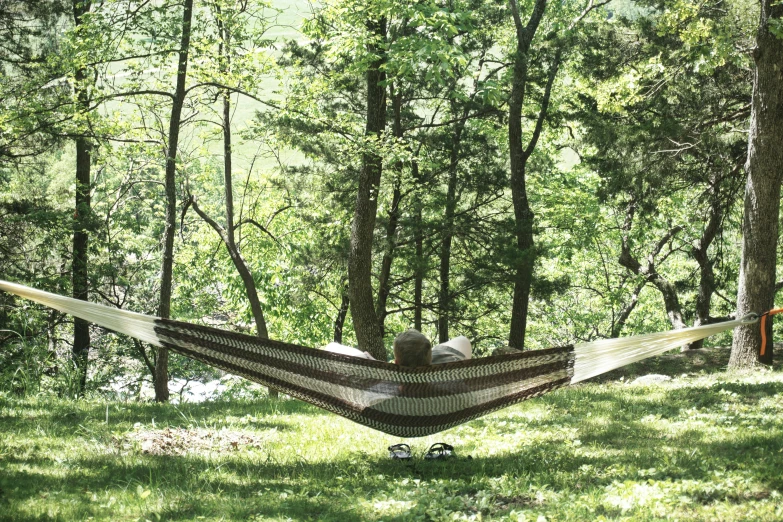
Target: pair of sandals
{"points": [[439, 450]]}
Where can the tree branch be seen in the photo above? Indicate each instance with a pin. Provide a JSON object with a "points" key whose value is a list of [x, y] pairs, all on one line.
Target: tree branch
{"points": [[544, 105], [590, 6], [143, 352], [260, 227], [217, 227]]}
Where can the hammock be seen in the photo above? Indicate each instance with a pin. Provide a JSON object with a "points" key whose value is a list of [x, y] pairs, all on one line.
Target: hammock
{"points": [[405, 402]]}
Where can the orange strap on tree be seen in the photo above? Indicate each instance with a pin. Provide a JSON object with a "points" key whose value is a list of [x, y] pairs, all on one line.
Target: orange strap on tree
{"points": [[774, 311]]}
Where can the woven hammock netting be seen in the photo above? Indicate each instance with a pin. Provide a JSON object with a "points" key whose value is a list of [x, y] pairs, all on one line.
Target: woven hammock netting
{"points": [[405, 402]]}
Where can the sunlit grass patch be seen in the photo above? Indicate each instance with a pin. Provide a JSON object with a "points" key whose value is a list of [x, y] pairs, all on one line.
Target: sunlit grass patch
{"points": [[704, 446]]}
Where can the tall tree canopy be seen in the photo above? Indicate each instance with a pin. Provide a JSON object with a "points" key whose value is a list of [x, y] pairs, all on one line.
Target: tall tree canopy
{"points": [[521, 172]]}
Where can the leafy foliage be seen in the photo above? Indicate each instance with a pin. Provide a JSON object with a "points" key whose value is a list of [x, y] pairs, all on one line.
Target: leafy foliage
{"points": [[647, 113]]}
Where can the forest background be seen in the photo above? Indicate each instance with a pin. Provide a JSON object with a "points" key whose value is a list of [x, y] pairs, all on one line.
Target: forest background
{"points": [[524, 174]]}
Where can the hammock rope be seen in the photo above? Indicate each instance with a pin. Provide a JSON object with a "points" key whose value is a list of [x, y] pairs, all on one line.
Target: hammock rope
{"points": [[401, 401]]}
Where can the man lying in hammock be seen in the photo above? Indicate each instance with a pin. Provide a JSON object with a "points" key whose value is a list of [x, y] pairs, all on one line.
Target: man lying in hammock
{"points": [[411, 348]]}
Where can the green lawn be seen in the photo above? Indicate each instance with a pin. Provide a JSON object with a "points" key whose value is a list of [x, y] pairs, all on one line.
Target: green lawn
{"points": [[705, 445]]}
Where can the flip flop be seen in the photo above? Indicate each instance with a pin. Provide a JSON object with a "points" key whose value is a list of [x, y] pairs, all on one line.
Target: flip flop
{"points": [[440, 450], [400, 452]]}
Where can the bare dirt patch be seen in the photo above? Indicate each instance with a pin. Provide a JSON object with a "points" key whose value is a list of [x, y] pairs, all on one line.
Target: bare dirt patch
{"points": [[182, 441]]}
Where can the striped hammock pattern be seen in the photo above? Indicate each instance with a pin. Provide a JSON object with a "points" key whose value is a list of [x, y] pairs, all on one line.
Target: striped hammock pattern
{"points": [[405, 402]]}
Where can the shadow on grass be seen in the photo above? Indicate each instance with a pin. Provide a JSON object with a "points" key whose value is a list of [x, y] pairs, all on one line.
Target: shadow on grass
{"points": [[624, 434], [28, 413], [241, 488]]}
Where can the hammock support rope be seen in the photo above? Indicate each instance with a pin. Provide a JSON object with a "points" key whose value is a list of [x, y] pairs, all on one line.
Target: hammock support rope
{"points": [[401, 401]]}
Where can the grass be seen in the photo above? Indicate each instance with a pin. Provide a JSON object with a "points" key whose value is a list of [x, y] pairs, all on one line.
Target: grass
{"points": [[706, 445]]}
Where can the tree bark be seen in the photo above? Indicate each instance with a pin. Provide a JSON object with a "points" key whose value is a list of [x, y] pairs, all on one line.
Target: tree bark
{"points": [[365, 320], [699, 253], [418, 276], [384, 285], [762, 191], [523, 215], [52, 318], [444, 292], [342, 313], [230, 238], [162, 358], [81, 216], [242, 268]]}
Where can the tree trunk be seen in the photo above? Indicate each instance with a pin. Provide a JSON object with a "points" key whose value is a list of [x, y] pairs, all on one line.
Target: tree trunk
{"points": [[649, 271], [243, 269], [444, 292], [81, 216], [365, 321], [625, 312], [384, 285], [699, 253], [671, 301], [339, 320], [227, 235], [81, 329], [230, 239], [161, 362], [52, 318], [418, 282], [418, 276], [523, 215], [762, 192]]}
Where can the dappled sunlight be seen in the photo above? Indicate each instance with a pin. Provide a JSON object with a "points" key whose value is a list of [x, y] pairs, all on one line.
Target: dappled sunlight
{"points": [[693, 447]]}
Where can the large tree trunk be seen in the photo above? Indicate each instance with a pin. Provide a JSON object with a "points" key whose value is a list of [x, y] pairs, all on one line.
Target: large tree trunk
{"points": [[365, 320], [523, 215], [81, 216], [762, 191], [162, 359], [81, 329]]}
